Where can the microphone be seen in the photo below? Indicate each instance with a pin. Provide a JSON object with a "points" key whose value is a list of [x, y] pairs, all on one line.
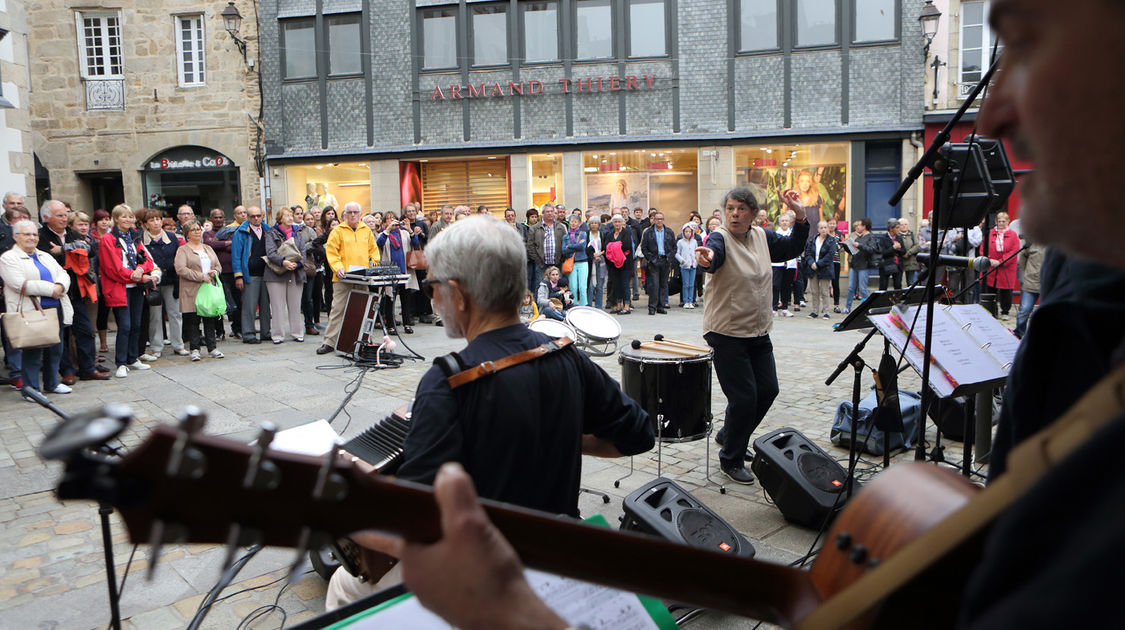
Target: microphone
{"points": [[980, 263]]}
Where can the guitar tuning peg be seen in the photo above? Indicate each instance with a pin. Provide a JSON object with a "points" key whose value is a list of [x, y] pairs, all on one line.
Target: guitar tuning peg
{"points": [[302, 551], [239, 536], [262, 474], [160, 533], [329, 485], [183, 461]]}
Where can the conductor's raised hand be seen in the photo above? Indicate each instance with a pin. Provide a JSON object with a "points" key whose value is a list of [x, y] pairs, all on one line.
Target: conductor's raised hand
{"points": [[792, 200], [704, 256]]}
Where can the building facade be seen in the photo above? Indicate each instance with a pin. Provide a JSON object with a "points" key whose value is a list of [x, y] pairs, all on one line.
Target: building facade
{"points": [[153, 104], [591, 103], [960, 55], [16, 160]]}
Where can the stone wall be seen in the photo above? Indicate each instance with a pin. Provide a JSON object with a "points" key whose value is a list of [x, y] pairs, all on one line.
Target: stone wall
{"points": [[17, 165], [158, 113]]}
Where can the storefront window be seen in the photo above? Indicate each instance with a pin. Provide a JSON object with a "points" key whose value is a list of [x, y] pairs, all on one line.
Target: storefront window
{"points": [[472, 182], [323, 185], [666, 179], [819, 172], [197, 176], [546, 179]]}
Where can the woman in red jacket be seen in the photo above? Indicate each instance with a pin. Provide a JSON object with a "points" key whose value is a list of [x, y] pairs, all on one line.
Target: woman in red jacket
{"points": [[1002, 244], [125, 269]]}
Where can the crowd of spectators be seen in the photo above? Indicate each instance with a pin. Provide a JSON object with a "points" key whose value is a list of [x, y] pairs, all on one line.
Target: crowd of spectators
{"points": [[280, 274]]}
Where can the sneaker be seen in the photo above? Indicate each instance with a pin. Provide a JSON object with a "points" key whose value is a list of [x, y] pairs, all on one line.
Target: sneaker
{"points": [[195, 355], [61, 389], [775, 313], [824, 316], [803, 303], [836, 309], [216, 354], [738, 474], [147, 357], [167, 342], [123, 371], [182, 351], [137, 365], [845, 311], [324, 349], [813, 315], [276, 341], [785, 313], [29, 399], [16, 383], [299, 339]]}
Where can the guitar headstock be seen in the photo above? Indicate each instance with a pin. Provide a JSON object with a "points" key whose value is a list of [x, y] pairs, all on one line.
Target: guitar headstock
{"points": [[183, 486]]}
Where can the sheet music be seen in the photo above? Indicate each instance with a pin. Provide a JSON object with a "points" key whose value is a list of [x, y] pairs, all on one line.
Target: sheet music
{"points": [[599, 607], [983, 327], [939, 381]]}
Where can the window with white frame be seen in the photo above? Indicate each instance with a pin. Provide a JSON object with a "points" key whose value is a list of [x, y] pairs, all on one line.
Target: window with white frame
{"points": [[99, 44], [977, 40], [189, 50]]}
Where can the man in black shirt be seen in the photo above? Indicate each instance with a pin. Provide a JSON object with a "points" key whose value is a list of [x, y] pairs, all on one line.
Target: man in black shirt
{"points": [[520, 432], [865, 256]]}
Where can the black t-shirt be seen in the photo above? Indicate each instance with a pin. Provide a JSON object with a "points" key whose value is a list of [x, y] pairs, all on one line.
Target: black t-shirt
{"points": [[518, 432]]}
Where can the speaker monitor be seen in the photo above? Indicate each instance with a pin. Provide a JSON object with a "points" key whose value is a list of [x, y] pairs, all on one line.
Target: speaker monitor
{"points": [[665, 509], [804, 482]]}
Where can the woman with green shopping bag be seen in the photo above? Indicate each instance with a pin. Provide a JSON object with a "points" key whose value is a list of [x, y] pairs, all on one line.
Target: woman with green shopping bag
{"points": [[196, 264]]}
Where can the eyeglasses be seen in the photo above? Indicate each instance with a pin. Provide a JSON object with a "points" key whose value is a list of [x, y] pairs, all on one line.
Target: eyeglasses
{"points": [[35, 234], [428, 286], [255, 216]]}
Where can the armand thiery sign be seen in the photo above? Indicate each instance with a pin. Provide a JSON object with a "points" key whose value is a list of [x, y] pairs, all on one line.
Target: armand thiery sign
{"points": [[581, 85]]}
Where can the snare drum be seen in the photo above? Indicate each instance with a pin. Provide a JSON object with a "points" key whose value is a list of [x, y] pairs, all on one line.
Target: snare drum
{"points": [[597, 330], [553, 328], [674, 389]]}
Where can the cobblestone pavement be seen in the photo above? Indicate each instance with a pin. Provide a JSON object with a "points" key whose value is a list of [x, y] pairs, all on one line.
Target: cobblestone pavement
{"points": [[53, 571]]}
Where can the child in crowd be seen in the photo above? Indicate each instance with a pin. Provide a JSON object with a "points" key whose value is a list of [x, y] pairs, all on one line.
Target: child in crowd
{"points": [[528, 311]]}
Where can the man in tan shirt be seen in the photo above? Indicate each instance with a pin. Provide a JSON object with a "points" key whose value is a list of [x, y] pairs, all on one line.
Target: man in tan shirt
{"points": [[738, 316]]}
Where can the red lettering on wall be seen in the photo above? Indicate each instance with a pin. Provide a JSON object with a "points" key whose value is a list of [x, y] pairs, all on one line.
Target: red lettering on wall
{"points": [[534, 87], [631, 83], [582, 87], [455, 91], [614, 84], [496, 91], [649, 78], [437, 95], [163, 163], [599, 84], [475, 92], [515, 88], [566, 85]]}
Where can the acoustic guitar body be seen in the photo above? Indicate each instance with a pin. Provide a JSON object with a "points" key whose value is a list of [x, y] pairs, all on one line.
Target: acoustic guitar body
{"points": [[890, 513]]}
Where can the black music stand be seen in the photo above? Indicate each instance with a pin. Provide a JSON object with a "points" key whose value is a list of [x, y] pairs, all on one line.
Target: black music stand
{"points": [[340, 614], [880, 303]]}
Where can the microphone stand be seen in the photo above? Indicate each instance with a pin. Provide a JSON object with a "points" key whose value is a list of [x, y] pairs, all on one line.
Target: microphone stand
{"points": [[104, 510], [939, 167], [984, 273], [857, 363]]}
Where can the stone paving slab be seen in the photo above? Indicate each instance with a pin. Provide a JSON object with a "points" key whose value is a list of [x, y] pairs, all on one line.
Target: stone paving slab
{"points": [[52, 572]]}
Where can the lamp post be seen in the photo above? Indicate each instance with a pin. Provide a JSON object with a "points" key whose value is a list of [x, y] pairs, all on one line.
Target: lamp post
{"points": [[232, 19]]}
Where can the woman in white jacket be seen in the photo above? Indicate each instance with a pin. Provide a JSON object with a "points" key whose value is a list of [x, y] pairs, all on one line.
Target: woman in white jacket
{"points": [[37, 273]]}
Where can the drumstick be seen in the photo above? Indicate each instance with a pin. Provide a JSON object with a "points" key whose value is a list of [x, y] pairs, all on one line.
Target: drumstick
{"points": [[660, 347], [681, 344]]}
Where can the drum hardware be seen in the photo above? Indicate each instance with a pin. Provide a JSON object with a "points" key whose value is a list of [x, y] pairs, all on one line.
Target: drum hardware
{"points": [[597, 331]]}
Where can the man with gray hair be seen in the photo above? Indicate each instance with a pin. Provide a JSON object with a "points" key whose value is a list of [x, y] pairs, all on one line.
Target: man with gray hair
{"points": [[524, 449], [13, 199]]}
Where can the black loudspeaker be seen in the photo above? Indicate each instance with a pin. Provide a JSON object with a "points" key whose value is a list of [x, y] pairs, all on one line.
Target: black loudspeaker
{"points": [[804, 482], [663, 508]]}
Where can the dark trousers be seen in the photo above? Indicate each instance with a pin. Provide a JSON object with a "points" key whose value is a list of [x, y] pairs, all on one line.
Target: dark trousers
{"points": [[798, 286], [128, 318], [656, 284], [748, 377], [532, 281], [327, 288], [619, 283], [255, 307], [103, 313], [1005, 298], [81, 334], [888, 278], [782, 287], [387, 308], [307, 306], [191, 330], [835, 284], [234, 302]]}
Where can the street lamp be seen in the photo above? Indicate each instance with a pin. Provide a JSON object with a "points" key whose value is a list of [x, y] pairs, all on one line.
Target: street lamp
{"points": [[232, 19], [929, 19]]}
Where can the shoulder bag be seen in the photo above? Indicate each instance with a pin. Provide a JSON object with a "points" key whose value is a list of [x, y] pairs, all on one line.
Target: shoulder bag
{"points": [[416, 258], [32, 330]]}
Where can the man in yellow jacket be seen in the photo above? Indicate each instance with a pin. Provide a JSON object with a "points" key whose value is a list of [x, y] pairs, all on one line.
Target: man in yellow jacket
{"points": [[350, 244]]}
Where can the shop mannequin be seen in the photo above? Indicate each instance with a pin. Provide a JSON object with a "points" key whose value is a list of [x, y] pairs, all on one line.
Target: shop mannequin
{"points": [[312, 200], [327, 199]]}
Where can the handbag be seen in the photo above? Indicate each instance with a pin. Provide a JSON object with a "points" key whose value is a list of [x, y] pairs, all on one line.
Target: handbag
{"points": [[416, 259], [32, 330], [568, 265], [211, 300], [288, 251]]}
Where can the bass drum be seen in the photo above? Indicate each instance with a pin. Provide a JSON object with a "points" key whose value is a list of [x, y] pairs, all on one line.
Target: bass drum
{"points": [[674, 389], [553, 328]]}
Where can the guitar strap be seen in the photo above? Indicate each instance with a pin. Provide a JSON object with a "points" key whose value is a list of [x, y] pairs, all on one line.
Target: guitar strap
{"points": [[491, 367], [1028, 462]]}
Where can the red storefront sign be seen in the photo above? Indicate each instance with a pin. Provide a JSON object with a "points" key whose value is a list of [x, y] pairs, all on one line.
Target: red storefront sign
{"points": [[580, 85]]}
